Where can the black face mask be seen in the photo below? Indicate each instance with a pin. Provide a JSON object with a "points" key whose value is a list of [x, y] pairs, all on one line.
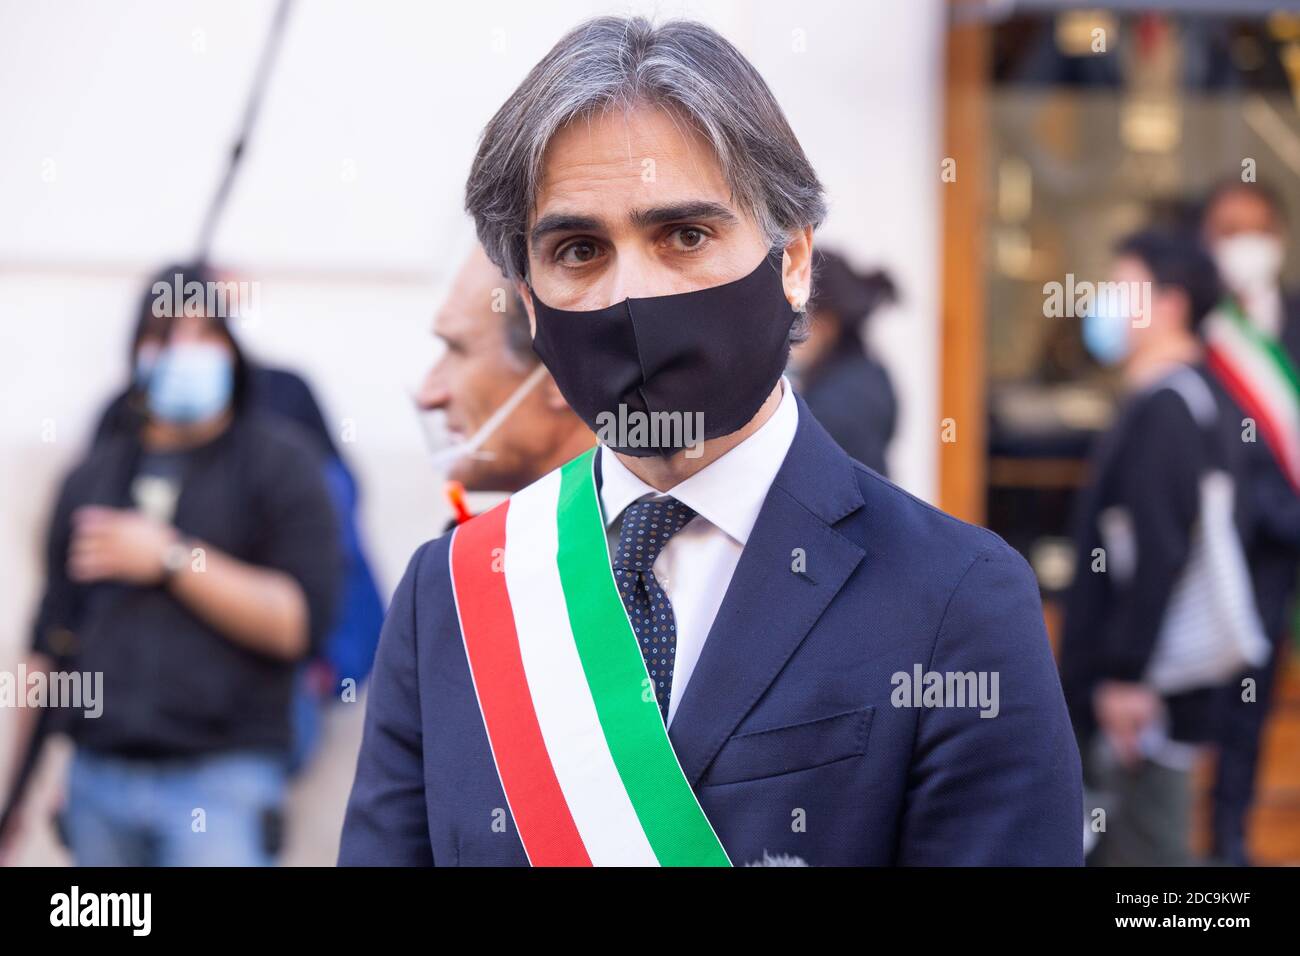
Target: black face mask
{"points": [[712, 356]]}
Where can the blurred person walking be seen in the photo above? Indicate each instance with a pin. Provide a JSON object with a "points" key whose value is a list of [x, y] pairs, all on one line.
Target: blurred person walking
{"points": [[1136, 520], [1255, 339], [847, 388], [193, 561]]}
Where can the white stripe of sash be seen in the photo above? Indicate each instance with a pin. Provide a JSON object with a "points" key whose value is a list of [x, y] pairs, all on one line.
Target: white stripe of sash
{"points": [[1267, 381], [570, 726]]}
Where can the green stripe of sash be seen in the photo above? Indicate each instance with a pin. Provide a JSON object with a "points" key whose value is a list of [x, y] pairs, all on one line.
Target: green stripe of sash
{"points": [[1272, 349], [674, 824]]}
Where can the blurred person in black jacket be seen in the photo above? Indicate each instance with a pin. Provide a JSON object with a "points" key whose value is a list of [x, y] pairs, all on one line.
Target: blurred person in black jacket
{"points": [[193, 562], [348, 650], [846, 388], [1244, 227], [1135, 520]]}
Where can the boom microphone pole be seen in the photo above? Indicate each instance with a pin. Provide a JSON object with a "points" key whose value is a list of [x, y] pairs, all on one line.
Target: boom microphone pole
{"points": [[261, 78]]}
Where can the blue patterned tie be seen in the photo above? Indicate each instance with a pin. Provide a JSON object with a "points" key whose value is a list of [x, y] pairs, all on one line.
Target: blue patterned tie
{"points": [[647, 526]]}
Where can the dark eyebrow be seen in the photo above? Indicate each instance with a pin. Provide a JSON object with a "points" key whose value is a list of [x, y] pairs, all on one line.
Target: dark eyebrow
{"points": [[561, 222], [686, 211], [655, 216]]}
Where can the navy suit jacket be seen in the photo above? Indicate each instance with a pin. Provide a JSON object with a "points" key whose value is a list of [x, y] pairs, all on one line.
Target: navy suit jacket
{"points": [[792, 730]]}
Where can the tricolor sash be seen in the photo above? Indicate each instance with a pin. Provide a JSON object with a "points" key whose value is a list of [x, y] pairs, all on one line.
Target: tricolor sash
{"points": [[1261, 378], [580, 747]]}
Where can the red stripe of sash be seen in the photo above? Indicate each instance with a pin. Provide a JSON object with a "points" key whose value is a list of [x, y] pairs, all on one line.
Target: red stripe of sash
{"points": [[1241, 393], [537, 803]]}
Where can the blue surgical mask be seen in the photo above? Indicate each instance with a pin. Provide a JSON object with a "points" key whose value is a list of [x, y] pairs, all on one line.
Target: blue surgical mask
{"points": [[187, 382], [1106, 334]]}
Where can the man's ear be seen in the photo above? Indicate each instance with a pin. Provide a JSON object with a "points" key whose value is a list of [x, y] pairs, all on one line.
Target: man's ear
{"points": [[796, 268], [526, 298]]}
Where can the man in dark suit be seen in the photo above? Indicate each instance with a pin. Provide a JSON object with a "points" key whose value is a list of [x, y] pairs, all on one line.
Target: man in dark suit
{"points": [[723, 641], [1244, 225]]}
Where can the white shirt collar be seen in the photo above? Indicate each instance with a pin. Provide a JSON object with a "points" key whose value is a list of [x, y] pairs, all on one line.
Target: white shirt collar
{"points": [[727, 493]]}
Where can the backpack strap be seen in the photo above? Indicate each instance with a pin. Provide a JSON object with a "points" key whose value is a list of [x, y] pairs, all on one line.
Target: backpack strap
{"points": [[1199, 398]]}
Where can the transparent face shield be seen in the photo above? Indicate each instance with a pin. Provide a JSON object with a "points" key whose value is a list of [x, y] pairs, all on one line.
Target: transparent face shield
{"points": [[445, 450]]}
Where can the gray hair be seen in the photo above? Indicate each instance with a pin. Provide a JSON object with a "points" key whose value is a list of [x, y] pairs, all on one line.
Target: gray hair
{"points": [[518, 333], [615, 62]]}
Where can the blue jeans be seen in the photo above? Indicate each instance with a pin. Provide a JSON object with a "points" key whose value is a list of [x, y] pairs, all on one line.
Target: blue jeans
{"points": [[220, 810]]}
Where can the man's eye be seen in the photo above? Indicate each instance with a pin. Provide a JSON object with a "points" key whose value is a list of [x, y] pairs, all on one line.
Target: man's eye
{"points": [[578, 252], [691, 238]]}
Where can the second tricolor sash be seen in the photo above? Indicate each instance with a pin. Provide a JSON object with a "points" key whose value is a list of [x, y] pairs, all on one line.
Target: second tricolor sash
{"points": [[579, 744], [1261, 379]]}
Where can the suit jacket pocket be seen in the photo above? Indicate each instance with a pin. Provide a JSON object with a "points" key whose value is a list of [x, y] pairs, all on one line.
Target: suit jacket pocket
{"points": [[756, 754]]}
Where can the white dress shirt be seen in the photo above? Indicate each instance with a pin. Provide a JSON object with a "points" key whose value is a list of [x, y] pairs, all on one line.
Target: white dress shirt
{"points": [[696, 565]]}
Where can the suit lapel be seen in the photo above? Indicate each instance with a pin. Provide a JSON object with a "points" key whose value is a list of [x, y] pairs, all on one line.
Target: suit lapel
{"points": [[770, 606]]}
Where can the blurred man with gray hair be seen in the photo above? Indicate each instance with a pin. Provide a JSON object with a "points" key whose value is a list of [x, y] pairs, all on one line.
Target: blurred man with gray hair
{"points": [[729, 647], [509, 423]]}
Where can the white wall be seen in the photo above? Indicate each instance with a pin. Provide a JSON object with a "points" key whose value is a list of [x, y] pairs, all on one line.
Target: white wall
{"points": [[115, 118]]}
